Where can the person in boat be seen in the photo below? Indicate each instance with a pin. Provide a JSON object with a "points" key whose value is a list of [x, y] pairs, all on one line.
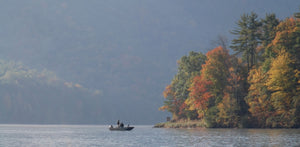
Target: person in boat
{"points": [[122, 125], [118, 123]]}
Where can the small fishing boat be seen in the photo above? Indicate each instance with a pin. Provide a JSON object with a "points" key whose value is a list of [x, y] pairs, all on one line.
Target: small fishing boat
{"points": [[120, 128]]}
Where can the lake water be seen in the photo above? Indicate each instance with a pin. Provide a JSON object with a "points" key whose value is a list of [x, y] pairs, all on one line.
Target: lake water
{"points": [[81, 135]]}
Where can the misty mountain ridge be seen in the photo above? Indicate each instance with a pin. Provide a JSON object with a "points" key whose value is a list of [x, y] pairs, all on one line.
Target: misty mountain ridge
{"points": [[32, 96]]}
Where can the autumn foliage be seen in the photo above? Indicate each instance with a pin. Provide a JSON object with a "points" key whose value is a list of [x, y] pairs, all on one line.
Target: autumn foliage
{"points": [[261, 90], [199, 95]]}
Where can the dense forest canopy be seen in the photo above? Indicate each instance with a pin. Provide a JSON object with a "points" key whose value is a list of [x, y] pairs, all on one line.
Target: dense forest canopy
{"points": [[257, 86]]}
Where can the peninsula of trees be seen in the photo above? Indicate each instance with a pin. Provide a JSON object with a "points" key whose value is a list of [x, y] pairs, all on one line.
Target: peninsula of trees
{"points": [[256, 86]]}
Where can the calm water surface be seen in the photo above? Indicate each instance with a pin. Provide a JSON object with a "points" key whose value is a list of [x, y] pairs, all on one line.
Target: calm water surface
{"points": [[73, 135]]}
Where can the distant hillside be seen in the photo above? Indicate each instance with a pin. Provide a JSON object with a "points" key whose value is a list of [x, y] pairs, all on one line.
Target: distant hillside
{"points": [[32, 96]]}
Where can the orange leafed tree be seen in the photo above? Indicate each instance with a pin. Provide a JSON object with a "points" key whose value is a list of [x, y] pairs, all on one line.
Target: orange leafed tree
{"points": [[199, 95], [207, 90], [216, 70]]}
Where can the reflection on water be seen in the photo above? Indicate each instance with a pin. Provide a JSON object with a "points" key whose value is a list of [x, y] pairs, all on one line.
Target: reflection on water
{"points": [[68, 135]]}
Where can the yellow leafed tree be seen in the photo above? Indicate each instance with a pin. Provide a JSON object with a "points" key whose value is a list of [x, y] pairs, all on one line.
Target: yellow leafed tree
{"points": [[283, 83]]}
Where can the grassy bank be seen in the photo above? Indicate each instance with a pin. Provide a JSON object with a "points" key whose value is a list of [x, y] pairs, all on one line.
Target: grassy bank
{"points": [[182, 124]]}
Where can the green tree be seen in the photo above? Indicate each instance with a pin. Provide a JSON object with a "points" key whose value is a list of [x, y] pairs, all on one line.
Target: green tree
{"points": [[268, 29], [177, 92], [296, 35], [249, 35], [268, 34]]}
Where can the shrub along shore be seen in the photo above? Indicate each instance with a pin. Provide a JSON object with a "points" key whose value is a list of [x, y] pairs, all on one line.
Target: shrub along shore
{"points": [[181, 124]]}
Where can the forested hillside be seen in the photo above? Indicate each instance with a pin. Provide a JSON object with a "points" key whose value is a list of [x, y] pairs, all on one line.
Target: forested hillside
{"points": [[256, 86]]}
